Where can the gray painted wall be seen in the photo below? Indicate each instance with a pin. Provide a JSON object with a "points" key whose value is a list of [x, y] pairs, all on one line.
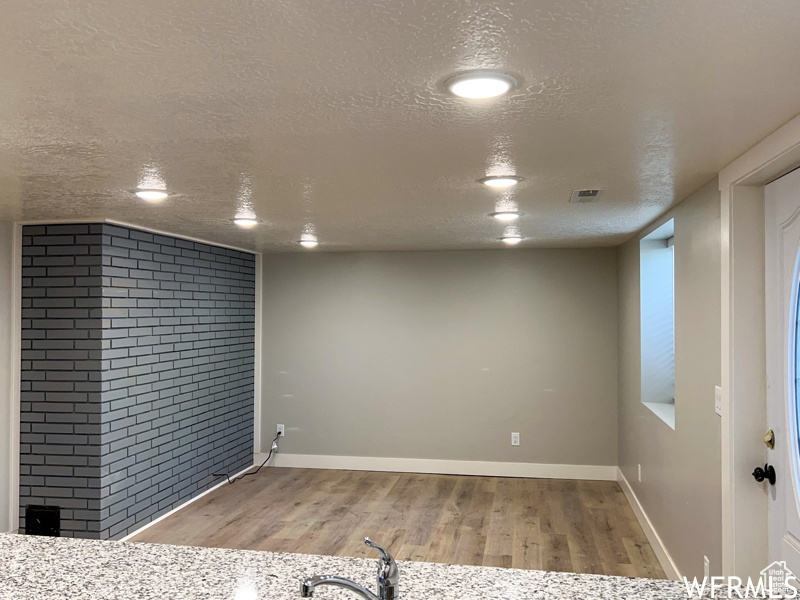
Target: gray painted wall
{"points": [[443, 354], [137, 372], [681, 469], [7, 370]]}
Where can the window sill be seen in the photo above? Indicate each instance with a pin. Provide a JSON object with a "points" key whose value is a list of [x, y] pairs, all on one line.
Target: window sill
{"points": [[664, 411]]}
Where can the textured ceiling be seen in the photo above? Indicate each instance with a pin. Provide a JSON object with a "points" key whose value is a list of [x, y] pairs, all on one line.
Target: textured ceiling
{"points": [[331, 116]]}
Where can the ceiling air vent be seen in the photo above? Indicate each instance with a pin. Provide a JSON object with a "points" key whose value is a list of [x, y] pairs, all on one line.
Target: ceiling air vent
{"points": [[584, 196]]}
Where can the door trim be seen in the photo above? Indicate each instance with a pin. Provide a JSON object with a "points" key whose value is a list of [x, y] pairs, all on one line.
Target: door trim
{"points": [[741, 184]]}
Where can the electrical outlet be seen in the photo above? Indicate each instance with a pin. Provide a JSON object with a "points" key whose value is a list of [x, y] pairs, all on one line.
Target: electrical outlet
{"points": [[706, 567], [718, 400], [640, 473], [515, 439], [281, 431]]}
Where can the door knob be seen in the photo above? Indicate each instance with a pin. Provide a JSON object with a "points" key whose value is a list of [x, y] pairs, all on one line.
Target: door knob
{"points": [[768, 473]]}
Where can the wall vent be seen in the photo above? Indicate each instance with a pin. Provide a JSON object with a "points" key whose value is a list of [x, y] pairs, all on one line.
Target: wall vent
{"points": [[584, 196]]}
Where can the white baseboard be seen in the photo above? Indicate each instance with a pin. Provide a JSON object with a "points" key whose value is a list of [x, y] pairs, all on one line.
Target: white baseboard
{"points": [[184, 505], [443, 467], [663, 555]]}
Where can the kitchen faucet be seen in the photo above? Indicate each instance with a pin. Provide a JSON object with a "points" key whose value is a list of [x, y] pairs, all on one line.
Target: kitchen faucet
{"points": [[388, 579]]}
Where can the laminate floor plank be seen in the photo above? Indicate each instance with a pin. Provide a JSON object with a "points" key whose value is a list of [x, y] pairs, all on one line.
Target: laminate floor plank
{"points": [[556, 525]]}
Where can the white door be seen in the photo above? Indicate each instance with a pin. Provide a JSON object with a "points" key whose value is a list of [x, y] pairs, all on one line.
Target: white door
{"points": [[782, 282]]}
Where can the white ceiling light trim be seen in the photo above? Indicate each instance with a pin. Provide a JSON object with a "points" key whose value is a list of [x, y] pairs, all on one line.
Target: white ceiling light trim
{"points": [[506, 215], [245, 222], [500, 181], [308, 239], [152, 195], [151, 186], [480, 84], [511, 240]]}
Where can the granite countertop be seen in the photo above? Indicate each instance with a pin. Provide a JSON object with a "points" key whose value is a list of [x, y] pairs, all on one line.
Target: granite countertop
{"points": [[38, 568]]}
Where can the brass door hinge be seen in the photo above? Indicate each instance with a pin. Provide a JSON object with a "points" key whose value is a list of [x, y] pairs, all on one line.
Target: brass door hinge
{"points": [[769, 439]]}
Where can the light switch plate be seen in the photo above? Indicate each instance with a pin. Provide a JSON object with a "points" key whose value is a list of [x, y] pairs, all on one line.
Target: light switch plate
{"points": [[718, 400]]}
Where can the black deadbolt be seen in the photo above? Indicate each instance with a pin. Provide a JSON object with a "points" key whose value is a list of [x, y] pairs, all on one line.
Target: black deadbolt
{"points": [[768, 473]]}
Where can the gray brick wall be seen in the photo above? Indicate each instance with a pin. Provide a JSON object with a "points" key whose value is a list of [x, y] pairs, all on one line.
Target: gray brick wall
{"points": [[138, 365], [61, 404]]}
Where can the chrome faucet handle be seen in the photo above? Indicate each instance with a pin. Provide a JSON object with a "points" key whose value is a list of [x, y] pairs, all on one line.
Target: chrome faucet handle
{"points": [[388, 573], [385, 556]]}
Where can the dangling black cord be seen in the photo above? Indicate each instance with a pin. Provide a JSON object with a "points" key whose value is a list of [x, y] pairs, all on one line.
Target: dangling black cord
{"points": [[272, 448]]}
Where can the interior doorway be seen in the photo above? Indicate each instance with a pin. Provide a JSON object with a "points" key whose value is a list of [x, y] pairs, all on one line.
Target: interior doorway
{"points": [[745, 544]]}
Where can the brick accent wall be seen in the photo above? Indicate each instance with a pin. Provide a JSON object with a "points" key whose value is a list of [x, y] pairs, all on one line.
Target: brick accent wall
{"points": [[61, 386], [150, 360]]}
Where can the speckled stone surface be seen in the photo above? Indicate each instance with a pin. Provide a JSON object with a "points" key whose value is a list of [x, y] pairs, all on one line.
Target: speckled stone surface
{"points": [[34, 568]]}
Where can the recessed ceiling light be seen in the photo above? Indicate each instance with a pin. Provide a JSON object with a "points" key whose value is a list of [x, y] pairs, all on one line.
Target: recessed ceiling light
{"points": [[309, 243], [152, 195], [245, 222], [480, 84], [511, 240], [501, 181], [506, 215]]}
